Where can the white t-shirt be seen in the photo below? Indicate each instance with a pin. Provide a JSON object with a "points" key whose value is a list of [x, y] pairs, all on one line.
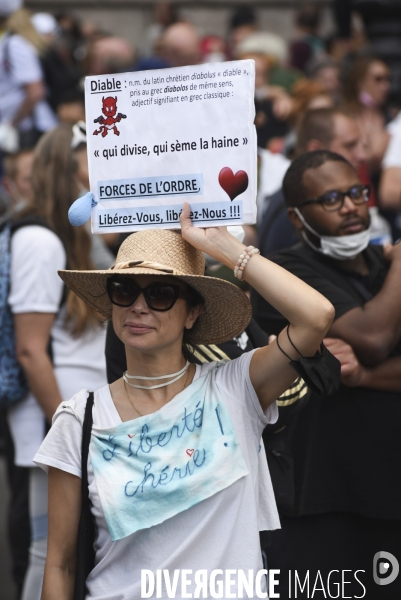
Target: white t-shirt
{"points": [[392, 156], [272, 168], [35, 287], [20, 66], [220, 532]]}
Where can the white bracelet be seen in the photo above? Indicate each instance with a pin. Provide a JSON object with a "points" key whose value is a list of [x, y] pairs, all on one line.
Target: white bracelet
{"points": [[243, 260]]}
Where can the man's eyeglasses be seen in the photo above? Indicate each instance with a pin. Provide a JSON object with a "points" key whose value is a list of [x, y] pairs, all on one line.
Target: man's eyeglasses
{"points": [[158, 295], [334, 200]]}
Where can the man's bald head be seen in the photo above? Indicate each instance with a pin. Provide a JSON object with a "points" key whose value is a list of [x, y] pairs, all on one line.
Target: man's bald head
{"points": [[110, 55], [180, 45]]}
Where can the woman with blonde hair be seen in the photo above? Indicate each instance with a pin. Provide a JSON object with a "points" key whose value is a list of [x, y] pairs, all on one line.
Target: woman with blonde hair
{"points": [[176, 476], [59, 342], [20, 23]]}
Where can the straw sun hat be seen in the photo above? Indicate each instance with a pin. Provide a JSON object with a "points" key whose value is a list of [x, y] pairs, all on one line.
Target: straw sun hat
{"points": [[226, 311]]}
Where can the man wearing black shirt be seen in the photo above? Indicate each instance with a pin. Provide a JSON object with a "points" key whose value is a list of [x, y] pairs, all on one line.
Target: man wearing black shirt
{"points": [[346, 448]]}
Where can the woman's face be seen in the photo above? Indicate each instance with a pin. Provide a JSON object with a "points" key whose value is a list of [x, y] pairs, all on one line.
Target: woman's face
{"points": [[376, 82], [145, 330], [328, 77]]}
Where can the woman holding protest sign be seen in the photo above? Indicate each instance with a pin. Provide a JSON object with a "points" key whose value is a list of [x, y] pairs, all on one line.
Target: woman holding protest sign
{"points": [[175, 476]]}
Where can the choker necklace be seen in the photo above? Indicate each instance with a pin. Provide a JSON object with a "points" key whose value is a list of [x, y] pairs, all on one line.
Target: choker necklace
{"points": [[132, 404], [176, 377]]}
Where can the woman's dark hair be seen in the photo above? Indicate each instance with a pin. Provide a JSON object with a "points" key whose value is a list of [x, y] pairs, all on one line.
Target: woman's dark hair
{"points": [[353, 81], [194, 299]]}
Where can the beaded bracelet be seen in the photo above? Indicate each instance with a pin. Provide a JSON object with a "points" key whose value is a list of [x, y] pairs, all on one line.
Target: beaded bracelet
{"points": [[243, 260]]}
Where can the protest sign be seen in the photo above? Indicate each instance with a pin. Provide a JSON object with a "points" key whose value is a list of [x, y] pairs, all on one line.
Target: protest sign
{"points": [[159, 138]]}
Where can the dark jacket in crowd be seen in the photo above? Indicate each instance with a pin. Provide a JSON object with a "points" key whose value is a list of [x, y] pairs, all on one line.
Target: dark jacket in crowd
{"points": [[347, 447], [276, 231]]}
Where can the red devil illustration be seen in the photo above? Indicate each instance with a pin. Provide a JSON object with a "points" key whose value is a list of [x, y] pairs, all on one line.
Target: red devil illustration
{"points": [[109, 109]]}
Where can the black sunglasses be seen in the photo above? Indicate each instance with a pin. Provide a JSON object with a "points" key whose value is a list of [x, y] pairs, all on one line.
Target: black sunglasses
{"points": [[158, 295], [334, 200]]}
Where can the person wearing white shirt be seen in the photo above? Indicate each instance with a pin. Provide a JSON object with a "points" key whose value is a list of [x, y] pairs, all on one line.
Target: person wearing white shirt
{"points": [[271, 171], [59, 341], [22, 90], [390, 182]]}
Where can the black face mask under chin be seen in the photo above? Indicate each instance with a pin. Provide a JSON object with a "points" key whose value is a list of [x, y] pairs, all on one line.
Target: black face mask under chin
{"points": [[321, 372]]}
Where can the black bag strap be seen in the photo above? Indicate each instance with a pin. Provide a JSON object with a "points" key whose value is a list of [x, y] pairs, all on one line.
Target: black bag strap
{"points": [[86, 529], [86, 437]]}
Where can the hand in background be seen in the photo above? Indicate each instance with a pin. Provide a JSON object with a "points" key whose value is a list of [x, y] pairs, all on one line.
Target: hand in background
{"points": [[283, 104], [352, 372], [392, 251]]}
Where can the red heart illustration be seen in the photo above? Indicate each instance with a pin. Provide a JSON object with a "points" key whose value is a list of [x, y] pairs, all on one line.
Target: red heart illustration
{"points": [[190, 451], [233, 185]]}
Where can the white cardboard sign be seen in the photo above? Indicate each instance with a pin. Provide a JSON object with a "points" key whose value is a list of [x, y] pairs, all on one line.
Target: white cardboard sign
{"points": [[159, 138]]}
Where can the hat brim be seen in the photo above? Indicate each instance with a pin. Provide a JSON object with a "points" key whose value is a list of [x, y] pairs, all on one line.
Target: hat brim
{"points": [[226, 310]]}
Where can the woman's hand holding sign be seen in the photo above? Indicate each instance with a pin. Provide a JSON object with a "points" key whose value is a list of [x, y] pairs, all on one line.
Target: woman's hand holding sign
{"points": [[215, 241]]}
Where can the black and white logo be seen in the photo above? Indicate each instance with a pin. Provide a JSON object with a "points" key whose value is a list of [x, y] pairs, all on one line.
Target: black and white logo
{"points": [[385, 568]]}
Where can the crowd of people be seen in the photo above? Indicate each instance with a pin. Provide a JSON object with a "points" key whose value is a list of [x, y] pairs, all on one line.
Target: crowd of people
{"points": [[328, 125]]}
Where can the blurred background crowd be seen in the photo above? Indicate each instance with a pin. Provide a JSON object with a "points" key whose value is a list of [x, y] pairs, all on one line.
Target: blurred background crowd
{"points": [[339, 92], [354, 73]]}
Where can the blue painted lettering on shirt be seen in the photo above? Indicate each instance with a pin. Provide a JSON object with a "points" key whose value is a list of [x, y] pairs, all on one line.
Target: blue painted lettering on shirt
{"points": [[197, 460], [152, 468], [188, 423]]}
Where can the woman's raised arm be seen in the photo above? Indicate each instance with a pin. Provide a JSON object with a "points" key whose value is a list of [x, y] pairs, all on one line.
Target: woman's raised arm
{"points": [[309, 313]]}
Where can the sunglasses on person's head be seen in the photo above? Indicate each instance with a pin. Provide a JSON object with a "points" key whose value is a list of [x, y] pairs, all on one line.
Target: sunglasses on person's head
{"points": [[334, 200], [158, 295]]}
